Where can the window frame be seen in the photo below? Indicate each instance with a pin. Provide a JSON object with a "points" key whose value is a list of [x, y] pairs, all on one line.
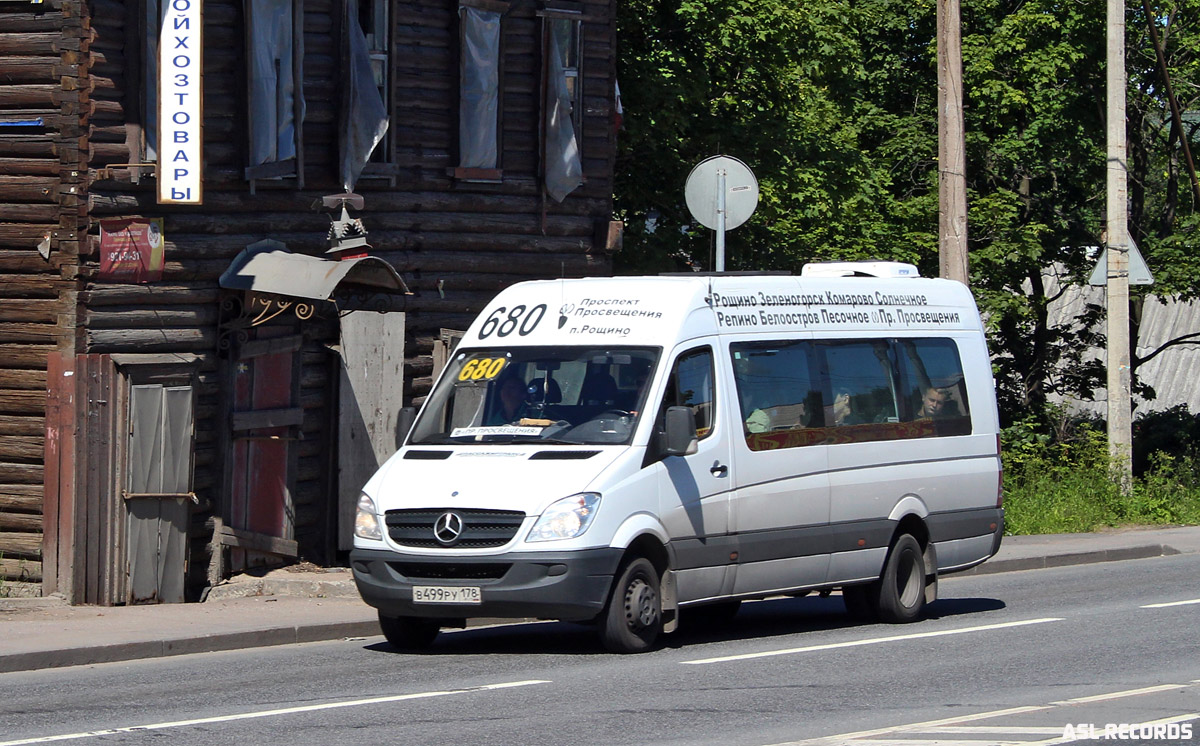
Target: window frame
{"points": [[494, 174], [291, 168], [556, 11], [380, 166], [714, 407], [575, 16], [905, 426]]}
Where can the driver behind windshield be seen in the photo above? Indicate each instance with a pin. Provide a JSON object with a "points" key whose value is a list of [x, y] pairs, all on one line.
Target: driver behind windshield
{"points": [[511, 404]]}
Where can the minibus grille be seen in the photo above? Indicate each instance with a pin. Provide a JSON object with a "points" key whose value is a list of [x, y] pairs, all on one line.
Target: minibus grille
{"points": [[479, 529], [446, 571]]}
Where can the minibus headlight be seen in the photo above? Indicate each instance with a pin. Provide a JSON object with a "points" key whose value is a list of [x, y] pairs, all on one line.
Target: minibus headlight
{"points": [[567, 518], [366, 522]]}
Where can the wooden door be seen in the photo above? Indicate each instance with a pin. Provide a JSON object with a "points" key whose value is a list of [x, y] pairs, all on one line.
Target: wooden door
{"points": [[158, 499], [261, 518]]}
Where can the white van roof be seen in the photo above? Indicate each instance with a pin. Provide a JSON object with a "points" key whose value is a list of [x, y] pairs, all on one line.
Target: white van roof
{"points": [[859, 269], [662, 310]]}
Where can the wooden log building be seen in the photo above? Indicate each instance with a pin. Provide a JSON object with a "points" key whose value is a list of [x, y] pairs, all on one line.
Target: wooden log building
{"points": [[190, 382]]}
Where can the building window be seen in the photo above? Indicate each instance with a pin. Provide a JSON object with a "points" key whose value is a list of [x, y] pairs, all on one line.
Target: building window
{"points": [[365, 81], [562, 110], [275, 50], [479, 106]]}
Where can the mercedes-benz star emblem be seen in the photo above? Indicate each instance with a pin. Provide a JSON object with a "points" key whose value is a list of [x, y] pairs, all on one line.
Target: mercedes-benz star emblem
{"points": [[447, 528]]}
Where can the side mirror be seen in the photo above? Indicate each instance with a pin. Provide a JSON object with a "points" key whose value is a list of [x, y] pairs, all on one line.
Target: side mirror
{"points": [[404, 424], [679, 437]]}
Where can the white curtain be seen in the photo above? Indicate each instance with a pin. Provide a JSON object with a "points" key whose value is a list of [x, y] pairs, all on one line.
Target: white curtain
{"points": [[480, 88], [364, 113], [564, 172]]}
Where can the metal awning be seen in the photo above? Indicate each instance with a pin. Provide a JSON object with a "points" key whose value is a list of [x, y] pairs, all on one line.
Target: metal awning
{"points": [[269, 267]]}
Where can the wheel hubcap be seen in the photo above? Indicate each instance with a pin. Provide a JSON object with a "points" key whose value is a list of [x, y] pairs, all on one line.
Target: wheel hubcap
{"points": [[641, 604]]}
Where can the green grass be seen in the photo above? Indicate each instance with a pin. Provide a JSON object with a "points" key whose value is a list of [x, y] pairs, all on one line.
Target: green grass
{"points": [[1052, 488]]}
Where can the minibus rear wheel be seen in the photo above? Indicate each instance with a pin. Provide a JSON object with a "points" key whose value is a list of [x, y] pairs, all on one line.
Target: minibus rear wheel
{"points": [[408, 633], [902, 587], [633, 619]]}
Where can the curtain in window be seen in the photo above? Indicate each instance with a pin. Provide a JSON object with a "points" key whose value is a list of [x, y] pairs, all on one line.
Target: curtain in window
{"points": [[479, 100], [563, 169], [272, 83], [364, 113]]}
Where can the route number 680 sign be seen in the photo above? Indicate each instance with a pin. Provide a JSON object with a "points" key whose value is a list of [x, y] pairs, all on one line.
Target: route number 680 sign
{"points": [[503, 321]]}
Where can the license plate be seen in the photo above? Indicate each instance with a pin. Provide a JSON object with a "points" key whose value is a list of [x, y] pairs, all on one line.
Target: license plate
{"points": [[446, 594]]}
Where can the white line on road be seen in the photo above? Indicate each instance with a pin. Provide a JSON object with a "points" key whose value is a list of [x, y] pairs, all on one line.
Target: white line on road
{"points": [[1113, 695], [1013, 730], [1173, 603], [938, 742], [843, 738], [956, 724], [872, 641], [1087, 735], [268, 713]]}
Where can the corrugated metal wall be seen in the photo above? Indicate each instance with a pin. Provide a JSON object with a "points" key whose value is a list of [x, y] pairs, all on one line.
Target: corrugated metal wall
{"points": [[1173, 373]]}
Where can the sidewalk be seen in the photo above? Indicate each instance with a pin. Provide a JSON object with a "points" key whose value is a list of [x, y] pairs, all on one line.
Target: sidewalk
{"points": [[308, 604]]}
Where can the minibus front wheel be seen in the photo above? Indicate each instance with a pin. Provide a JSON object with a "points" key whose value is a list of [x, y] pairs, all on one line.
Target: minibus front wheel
{"points": [[408, 633], [633, 619]]}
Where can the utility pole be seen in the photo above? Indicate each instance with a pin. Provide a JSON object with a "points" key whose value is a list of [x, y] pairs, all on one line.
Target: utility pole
{"points": [[952, 171], [1120, 430]]}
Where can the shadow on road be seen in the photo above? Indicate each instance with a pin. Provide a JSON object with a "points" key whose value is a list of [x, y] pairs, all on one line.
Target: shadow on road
{"points": [[754, 620]]}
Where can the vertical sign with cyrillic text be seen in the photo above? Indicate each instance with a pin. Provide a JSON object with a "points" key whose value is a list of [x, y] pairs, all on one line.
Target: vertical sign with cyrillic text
{"points": [[180, 93]]}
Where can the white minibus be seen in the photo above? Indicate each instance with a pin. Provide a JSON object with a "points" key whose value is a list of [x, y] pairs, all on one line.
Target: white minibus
{"points": [[627, 450]]}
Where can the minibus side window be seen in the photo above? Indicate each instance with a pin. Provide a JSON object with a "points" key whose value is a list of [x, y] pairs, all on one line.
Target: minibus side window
{"points": [[933, 387], [779, 393], [862, 382], [691, 385]]}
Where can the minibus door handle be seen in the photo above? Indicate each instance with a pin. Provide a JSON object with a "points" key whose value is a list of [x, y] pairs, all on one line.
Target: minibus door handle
{"points": [[718, 469]]}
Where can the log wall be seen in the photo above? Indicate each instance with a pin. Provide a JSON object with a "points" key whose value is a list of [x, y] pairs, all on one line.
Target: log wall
{"points": [[456, 243], [43, 66]]}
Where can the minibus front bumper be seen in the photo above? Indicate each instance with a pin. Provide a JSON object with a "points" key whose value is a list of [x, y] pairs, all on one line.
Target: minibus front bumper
{"points": [[572, 586]]}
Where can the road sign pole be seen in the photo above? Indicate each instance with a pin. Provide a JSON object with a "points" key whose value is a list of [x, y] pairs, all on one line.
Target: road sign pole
{"points": [[721, 193], [721, 220]]}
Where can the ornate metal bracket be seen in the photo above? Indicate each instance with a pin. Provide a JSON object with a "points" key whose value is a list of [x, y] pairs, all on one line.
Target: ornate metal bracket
{"points": [[242, 312]]}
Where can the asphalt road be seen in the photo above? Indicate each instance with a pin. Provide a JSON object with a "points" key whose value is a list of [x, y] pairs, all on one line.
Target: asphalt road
{"points": [[1009, 658]]}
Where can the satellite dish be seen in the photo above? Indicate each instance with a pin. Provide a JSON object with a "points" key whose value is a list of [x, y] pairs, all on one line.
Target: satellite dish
{"points": [[702, 192]]}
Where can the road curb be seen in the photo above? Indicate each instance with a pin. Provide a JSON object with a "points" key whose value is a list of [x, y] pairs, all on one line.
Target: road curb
{"points": [[1067, 559], [123, 652]]}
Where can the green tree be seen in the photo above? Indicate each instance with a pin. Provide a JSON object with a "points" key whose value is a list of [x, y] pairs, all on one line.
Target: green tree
{"points": [[834, 107], [822, 101]]}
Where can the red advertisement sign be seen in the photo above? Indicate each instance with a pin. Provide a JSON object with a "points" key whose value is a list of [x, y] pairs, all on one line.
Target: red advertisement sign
{"points": [[131, 250]]}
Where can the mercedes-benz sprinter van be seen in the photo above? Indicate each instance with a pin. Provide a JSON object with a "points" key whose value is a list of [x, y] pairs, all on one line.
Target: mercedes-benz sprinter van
{"points": [[618, 450]]}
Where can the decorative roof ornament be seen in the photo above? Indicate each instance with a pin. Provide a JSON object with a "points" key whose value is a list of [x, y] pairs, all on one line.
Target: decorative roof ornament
{"points": [[347, 236]]}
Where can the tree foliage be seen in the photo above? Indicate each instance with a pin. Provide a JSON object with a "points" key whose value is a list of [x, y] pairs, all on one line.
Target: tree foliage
{"points": [[833, 105]]}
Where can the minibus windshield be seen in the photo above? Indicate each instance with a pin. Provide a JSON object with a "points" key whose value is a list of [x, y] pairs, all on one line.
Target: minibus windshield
{"points": [[556, 395]]}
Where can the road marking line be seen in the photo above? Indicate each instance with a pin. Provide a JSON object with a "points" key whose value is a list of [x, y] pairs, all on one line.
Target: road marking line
{"points": [[872, 641], [938, 742], [1111, 695], [1087, 736], [268, 713], [1016, 730], [1173, 603], [946, 724], [841, 738]]}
